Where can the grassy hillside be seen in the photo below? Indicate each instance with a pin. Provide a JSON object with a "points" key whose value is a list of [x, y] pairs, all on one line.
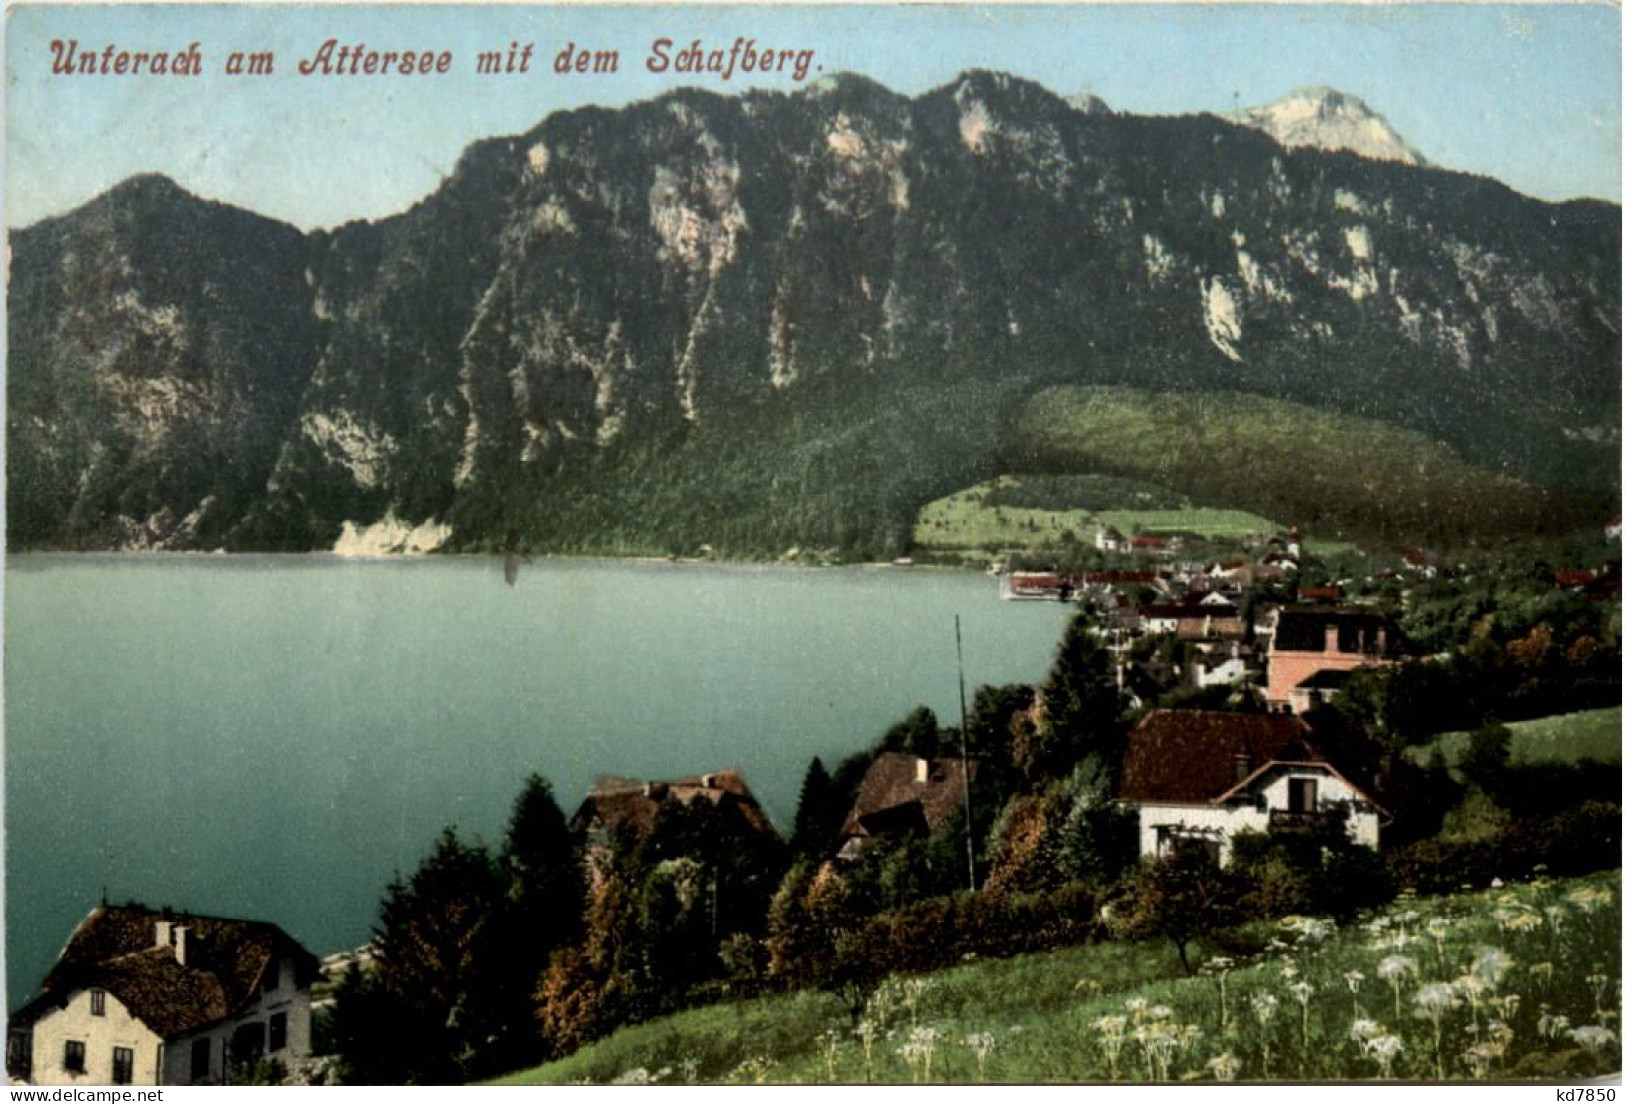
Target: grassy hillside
{"points": [[1337, 476], [1568, 738], [1519, 982], [1024, 512]]}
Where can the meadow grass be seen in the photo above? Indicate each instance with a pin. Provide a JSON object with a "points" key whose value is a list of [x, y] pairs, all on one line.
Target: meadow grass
{"points": [[1210, 523], [972, 519], [1565, 738], [964, 520], [1519, 982]]}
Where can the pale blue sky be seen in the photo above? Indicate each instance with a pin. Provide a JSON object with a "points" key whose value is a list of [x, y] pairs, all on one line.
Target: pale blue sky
{"points": [[1529, 94]]}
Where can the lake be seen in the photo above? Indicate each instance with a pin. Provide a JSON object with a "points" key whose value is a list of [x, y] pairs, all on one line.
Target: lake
{"points": [[275, 736]]}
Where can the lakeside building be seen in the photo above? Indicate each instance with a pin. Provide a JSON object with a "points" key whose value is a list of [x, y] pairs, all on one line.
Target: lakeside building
{"points": [[146, 997]]}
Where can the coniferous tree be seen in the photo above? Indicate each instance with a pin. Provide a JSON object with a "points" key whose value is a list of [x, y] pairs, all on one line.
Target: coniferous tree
{"points": [[818, 814], [1081, 707], [541, 911], [426, 1011]]}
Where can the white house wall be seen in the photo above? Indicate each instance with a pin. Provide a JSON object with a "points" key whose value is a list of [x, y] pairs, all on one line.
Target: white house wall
{"points": [[1221, 822], [285, 998], [100, 1034], [1332, 790]]}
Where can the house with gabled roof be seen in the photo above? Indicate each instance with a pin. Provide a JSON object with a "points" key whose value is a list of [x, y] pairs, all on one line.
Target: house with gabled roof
{"points": [[627, 808], [1196, 778], [155, 997], [903, 794]]}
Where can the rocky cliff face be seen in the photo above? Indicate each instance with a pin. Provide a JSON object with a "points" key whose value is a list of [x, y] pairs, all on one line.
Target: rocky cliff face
{"points": [[806, 312]]}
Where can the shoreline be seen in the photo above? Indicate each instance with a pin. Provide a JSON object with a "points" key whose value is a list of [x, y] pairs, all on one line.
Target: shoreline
{"points": [[532, 560]]}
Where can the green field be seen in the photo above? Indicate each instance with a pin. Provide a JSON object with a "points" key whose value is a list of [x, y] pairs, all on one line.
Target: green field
{"points": [[1212, 524], [977, 518], [1593, 734], [965, 521], [1512, 983]]}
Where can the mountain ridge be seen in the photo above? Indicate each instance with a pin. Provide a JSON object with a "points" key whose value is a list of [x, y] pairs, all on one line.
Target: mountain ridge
{"points": [[658, 279]]}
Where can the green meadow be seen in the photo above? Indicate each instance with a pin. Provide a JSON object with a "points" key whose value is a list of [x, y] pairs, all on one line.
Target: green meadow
{"points": [[1566, 738], [1518, 982]]}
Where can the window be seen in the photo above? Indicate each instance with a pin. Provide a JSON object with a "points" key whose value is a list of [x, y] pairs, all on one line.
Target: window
{"points": [[279, 1031], [123, 1065], [1301, 795], [20, 1055], [98, 1002], [73, 1056], [200, 1060]]}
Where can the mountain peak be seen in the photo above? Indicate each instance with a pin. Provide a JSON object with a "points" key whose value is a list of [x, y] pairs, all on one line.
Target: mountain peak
{"points": [[1325, 118]]}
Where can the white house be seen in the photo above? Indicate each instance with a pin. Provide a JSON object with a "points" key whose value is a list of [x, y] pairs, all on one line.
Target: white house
{"points": [[140, 997], [1198, 777], [1109, 539]]}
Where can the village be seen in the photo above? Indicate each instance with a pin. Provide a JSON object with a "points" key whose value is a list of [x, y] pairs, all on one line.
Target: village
{"points": [[1220, 679]]}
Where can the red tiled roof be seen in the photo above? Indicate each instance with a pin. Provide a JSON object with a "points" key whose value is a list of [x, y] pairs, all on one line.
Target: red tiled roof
{"points": [[624, 804], [115, 949], [1189, 755], [891, 785]]}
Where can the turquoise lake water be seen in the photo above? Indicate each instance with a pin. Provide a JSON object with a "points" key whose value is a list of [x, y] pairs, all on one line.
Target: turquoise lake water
{"points": [[274, 737]]}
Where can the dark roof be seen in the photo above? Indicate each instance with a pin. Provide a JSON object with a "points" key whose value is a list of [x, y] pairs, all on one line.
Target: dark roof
{"points": [[1304, 630], [628, 805], [1189, 755], [115, 948], [1327, 679], [1120, 576], [891, 796]]}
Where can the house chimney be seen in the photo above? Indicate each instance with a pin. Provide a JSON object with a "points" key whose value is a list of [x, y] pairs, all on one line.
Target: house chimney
{"points": [[922, 771], [160, 934], [1244, 766], [180, 943]]}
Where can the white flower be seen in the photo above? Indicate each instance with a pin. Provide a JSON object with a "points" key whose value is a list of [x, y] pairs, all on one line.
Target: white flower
{"points": [[1385, 1047], [1433, 1001], [1354, 978], [1551, 1026], [1395, 967], [1491, 966], [1363, 1031], [1479, 1057], [1593, 1037], [1224, 1067], [1264, 1005]]}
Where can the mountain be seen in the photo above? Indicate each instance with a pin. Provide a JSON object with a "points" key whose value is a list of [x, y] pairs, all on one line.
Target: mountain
{"points": [[771, 321], [1324, 118]]}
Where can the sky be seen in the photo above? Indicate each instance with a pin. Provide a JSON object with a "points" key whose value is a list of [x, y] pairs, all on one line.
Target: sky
{"points": [[1528, 94]]}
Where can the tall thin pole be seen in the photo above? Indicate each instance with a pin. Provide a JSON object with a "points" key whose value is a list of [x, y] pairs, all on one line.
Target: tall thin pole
{"points": [[964, 756]]}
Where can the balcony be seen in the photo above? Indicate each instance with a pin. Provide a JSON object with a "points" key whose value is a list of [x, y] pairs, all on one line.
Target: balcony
{"points": [[1287, 820]]}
